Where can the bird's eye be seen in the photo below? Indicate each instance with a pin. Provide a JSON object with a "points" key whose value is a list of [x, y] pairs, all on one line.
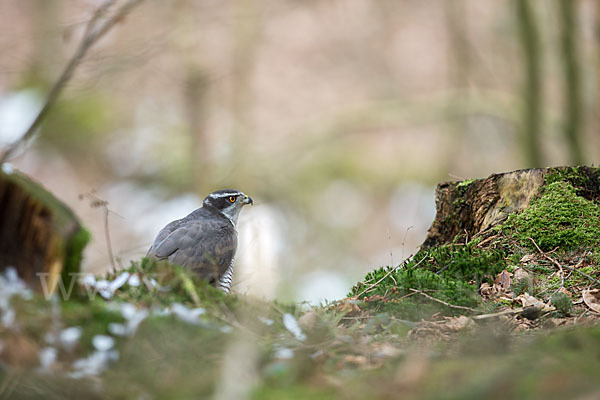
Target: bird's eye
{"points": [[232, 199]]}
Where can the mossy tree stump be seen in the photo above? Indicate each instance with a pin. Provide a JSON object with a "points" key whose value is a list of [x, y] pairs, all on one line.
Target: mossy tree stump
{"points": [[38, 233], [467, 208]]}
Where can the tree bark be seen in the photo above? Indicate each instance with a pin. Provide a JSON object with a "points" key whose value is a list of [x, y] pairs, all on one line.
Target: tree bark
{"points": [[39, 235], [468, 208]]}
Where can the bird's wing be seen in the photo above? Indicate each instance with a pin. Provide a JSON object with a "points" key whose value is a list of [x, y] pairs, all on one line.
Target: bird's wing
{"points": [[162, 235], [206, 248]]}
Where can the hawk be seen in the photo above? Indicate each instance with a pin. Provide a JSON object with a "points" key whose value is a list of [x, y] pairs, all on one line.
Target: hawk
{"points": [[205, 241]]}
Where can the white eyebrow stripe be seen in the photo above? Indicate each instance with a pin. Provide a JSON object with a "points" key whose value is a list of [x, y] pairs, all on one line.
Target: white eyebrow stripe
{"points": [[216, 196]]}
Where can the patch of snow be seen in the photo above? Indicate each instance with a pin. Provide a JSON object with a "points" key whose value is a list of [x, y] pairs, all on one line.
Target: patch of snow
{"points": [[93, 364], [134, 281], [119, 281], [284, 353], [265, 321], [189, 315], [103, 342], [7, 168], [291, 325], [69, 337], [47, 357]]}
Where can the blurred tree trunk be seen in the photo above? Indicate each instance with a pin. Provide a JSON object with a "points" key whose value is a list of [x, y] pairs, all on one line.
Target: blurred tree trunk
{"points": [[246, 35], [459, 69], [196, 91], [532, 111], [567, 12], [597, 47]]}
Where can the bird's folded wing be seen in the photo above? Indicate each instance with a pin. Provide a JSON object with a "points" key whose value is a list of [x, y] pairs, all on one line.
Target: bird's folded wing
{"points": [[178, 239]]}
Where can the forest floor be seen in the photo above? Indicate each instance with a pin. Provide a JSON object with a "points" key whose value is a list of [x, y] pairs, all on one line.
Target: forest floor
{"points": [[510, 313]]}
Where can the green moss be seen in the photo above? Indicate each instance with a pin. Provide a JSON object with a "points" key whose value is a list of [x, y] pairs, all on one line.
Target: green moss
{"points": [[572, 175], [450, 273], [558, 218], [183, 286], [74, 254], [465, 183]]}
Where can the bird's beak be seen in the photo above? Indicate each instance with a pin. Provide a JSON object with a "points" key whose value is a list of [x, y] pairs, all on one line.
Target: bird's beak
{"points": [[248, 199]]}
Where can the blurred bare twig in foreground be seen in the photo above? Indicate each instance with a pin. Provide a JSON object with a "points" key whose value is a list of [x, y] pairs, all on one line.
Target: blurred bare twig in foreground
{"points": [[100, 23]]}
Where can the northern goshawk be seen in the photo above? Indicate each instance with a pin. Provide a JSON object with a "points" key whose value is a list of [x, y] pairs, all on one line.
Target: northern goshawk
{"points": [[205, 241]]}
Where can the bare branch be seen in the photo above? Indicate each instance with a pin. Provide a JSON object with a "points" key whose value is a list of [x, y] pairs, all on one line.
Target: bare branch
{"points": [[441, 301], [553, 261], [596, 281], [95, 29]]}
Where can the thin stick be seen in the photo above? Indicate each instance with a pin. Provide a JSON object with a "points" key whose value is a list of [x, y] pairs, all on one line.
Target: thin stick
{"points": [[498, 314], [553, 261], [385, 276], [441, 301], [93, 32], [107, 237], [596, 281]]}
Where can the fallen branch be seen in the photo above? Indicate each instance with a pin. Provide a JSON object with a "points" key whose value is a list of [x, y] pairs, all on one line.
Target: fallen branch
{"points": [[553, 261], [574, 269], [441, 301], [95, 29], [498, 314]]}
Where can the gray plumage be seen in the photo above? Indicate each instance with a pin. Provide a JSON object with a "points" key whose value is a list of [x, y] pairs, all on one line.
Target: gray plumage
{"points": [[205, 241]]}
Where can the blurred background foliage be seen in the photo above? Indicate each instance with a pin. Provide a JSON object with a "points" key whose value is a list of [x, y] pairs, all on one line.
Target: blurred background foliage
{"points": [[337, 116]]}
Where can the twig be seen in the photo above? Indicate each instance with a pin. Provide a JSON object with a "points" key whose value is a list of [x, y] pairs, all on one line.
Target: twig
{"points": [[94, 30], [553, 261], [385, 276], [498, 314], [441, 301], [95, 202], [574, 269]]}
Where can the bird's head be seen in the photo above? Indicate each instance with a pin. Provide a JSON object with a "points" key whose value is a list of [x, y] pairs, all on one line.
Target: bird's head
{"points": [[228, 202]]}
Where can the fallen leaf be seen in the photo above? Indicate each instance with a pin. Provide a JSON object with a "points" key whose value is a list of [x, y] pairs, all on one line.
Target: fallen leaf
{"points": [[528, 300], [487, 291], [349, 307], [592, 299], [565, 291], [356, 359], [504, 280]]}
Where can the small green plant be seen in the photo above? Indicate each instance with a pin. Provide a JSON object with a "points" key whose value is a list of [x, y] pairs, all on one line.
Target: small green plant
{"points": [[562, 303], [521, 286]]}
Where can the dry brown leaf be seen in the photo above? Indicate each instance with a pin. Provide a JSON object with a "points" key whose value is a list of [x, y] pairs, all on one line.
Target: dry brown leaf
{"points": [[592, 299], [503, 280], [564, 290], [528, 300], [349, 307], [487, 291], [356, 359]]}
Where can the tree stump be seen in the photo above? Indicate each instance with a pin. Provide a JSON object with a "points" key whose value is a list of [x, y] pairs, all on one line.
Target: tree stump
{"points": [[39, 235], [467, 208]]}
